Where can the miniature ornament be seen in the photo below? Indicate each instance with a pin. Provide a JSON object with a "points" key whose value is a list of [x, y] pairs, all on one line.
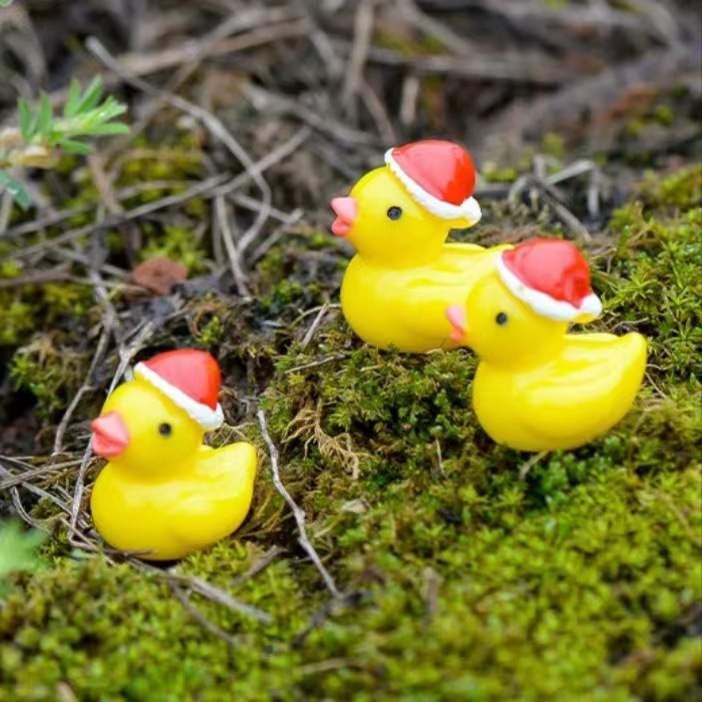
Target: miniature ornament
{"points": [[438, 175], [163, 494], [538, 388], [552, 277], [397, 287]]}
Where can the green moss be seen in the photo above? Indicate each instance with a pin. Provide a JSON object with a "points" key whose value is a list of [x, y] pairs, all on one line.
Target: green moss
{"points": [[15, 321], [608, 574], [494, 174], [580, 575], [110, 633], [178, 244], [290, 278], [38, 322], [52, 373], [409, 45], [10, 269], [654, 283], [554, 145], [211, 332], [41, 308], [681, 190], [663, 114], [478, 573]]}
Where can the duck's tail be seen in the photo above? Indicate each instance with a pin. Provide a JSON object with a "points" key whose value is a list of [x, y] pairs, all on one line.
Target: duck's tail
{"points": [[633, 363]]}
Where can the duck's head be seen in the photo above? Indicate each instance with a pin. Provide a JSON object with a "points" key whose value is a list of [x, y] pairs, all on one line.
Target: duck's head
{"points": [[521, 311], [153, 423], [401, 213]]}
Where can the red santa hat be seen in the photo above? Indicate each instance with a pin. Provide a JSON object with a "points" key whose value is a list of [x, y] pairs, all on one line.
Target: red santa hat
{"points": [[191, 379], [552, 277], [439, 175]]}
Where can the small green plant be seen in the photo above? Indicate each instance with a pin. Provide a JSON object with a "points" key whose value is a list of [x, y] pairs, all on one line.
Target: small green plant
{"points": [[18, 548], [42, 136]]}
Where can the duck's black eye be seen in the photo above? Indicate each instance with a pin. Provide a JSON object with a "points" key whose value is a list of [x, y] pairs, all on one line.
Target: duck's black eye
{"points": [[501, 318], [165, 429], [394, 212]]}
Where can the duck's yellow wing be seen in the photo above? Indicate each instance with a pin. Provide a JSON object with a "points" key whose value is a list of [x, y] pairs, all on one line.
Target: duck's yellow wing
{"points": [[222, 491], [586, 391]]}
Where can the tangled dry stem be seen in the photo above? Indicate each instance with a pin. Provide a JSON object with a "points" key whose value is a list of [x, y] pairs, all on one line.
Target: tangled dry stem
{"points": [[307, 424]]}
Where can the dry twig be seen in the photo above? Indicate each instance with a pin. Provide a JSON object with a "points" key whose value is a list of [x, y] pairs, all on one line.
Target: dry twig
{"points": [[199, 617], [362, 35], [224, 228], [213, 124], [298, 513], [98, 357], [261, 564]]}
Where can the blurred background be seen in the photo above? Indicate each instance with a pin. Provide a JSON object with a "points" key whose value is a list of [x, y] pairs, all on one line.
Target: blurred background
{"points": [[619, 80]]}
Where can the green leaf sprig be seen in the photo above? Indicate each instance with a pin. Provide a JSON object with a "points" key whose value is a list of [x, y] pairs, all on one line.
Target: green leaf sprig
{"points": [[42, 136]]}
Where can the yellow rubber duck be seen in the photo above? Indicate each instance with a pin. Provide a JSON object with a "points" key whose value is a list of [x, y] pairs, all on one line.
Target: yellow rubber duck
{"points": [[404, 274], [538, 388], [163, 494]]}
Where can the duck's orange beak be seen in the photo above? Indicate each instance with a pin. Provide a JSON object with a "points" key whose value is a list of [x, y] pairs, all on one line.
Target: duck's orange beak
{"points": [[346, 210], [457, 316], [110, 435]]}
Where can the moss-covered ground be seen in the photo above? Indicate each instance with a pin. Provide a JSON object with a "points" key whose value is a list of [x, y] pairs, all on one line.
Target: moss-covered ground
{"points": [[469, 572]]}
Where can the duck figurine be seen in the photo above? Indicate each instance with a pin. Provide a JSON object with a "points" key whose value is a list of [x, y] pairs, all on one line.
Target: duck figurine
{"points": [[163, 494], [398, 284], [538, 388]]}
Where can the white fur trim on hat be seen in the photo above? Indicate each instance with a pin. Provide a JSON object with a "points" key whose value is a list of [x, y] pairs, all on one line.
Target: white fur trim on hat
{"points": [[544, 304], [469, 209], [205, 416]]}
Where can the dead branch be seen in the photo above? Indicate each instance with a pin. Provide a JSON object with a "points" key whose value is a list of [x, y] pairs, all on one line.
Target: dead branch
{"points": [[298, 514]]}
